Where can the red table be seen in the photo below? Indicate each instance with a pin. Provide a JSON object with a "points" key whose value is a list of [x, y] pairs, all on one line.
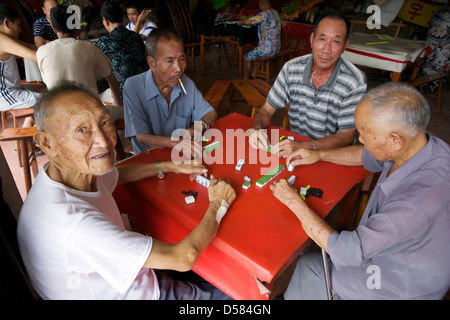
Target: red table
{"points": [[258, 237]]}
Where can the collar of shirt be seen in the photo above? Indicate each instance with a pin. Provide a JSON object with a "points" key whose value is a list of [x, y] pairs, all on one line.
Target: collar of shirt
{"points": [[119, 30], [391, 183], [152, 90], [331, 80]]}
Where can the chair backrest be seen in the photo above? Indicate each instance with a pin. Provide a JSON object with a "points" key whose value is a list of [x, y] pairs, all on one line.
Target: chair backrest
{"points": [[181, 19]]}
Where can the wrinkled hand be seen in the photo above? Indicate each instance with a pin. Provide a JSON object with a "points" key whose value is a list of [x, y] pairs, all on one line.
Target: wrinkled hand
{"points": [[221, 190], [285, 193], [303, 156], [259, 139], [285, 148]]}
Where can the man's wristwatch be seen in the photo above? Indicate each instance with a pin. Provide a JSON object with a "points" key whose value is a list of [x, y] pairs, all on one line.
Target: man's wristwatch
{"points": [[160, 174]]}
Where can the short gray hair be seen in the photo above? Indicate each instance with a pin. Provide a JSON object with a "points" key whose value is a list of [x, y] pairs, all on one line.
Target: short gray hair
{"points": [[43, 107], [399, 105], [161, 33]]}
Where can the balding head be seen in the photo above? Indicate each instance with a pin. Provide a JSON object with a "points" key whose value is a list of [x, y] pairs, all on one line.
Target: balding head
{"points": [[75, 130]]}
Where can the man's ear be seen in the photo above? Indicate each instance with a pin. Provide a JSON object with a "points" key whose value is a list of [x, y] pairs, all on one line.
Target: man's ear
{"points": [[44, 141], [397, 141], [151, 62]]}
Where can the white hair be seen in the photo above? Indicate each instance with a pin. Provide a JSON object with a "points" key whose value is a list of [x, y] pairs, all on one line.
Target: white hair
{"points": [[399, 106]]}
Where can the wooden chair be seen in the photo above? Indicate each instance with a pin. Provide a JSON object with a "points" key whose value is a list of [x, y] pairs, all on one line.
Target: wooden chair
{"points": [[24, 138], [16, 114], [180, 19], [264, 88], [264, 63], [439, 76]]}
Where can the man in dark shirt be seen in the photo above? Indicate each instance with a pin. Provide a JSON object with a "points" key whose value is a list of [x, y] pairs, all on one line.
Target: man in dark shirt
{"points": [[124, 48]]}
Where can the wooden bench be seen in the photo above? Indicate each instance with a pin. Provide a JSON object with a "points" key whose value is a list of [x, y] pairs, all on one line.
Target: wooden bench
{"points": [[17, 114], [24, 137], [263, 63], [264, 88], [216, 93], [252, 96], [428, 79]]}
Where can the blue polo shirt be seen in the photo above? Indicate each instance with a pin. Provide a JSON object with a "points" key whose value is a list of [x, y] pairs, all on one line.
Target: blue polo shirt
{"points": [[147, 112]]}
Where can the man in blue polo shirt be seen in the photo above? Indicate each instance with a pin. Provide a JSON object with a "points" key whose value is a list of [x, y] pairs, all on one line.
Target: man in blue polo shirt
{"points": [[155, 103]]}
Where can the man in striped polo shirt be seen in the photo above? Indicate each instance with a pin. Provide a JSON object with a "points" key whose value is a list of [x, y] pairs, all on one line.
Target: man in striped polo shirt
{"points": [[322, 89], [42, 28]]}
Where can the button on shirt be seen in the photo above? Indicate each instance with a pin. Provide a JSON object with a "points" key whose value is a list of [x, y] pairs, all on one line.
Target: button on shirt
{"points": [[147, 112], [400, 249]]}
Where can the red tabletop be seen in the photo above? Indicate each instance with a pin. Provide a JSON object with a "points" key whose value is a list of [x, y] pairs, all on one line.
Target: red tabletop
{"points": [[258, 235]]}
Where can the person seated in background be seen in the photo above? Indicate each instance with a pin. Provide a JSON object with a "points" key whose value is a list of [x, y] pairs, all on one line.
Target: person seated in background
{"points": [[124, 48], [42, 29], [155, 104], [322, 90], [12, 93], [139, 21], [75, 60], [70, 232], [269, 30], [400, 248]]}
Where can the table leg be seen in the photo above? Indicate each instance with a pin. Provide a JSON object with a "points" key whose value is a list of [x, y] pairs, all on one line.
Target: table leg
{"points": [[22, 144], [395, 76], [241, 62], [202, 52]]}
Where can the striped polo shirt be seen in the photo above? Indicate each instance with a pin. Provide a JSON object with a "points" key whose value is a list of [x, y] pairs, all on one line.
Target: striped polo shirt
{"points": [[317, 113]]}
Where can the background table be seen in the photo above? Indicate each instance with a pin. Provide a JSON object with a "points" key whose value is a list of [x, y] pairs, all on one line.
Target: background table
{"points": [[393, 56], [259, 237]]}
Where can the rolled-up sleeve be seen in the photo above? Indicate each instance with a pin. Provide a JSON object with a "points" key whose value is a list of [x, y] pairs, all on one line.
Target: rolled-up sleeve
{"points": [[345, 249]]}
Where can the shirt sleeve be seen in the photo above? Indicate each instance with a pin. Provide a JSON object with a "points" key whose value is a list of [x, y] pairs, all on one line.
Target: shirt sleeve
{"points": [[346, 118], [370, 163], [110, 179], [38, 29], [201, 106], [393, 228], [103, 64], [149, 27], [257, 18], [279, 95], [117, 255], [134, 115]]}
